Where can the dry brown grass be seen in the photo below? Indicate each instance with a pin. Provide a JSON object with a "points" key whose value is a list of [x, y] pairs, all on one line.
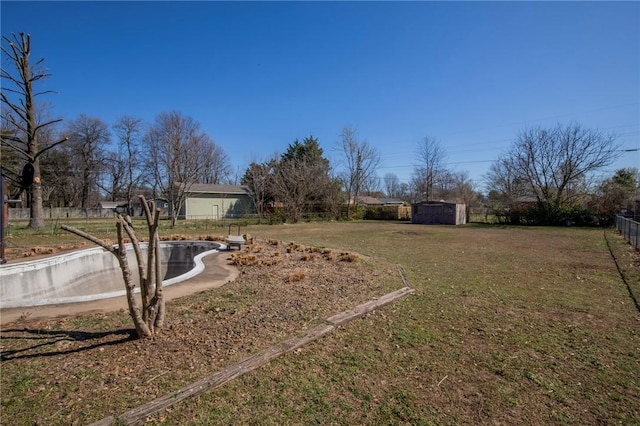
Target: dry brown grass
{"points": [[254, 248], [295, 247], [245, 259], [296, 276], [211, 238], [37, 251], [348, 257], [273, 261], [175, 237]]}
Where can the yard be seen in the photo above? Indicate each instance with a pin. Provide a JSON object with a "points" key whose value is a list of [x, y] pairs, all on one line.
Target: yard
{"points": [[507, 326]]}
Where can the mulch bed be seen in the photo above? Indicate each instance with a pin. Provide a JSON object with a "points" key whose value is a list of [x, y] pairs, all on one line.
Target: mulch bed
{"points": [[81, 369]]}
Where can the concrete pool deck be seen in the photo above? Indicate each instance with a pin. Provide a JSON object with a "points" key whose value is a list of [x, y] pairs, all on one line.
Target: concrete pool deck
{"points": [[216, 273]]}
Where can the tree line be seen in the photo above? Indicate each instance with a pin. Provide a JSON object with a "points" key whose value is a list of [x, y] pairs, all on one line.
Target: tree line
{"points": [[101, 162], [545, 177], [87, 160]]}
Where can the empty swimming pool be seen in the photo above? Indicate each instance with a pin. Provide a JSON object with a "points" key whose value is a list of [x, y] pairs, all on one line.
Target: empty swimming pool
{"points": [[92, 274]]}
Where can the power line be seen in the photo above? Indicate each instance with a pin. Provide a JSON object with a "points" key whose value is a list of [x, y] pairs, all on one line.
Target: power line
{"points": [[557, 116], [488, 146], [450, 163]]}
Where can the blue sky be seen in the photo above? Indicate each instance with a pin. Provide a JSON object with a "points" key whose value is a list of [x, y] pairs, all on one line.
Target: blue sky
{"points": [[258, 75]]}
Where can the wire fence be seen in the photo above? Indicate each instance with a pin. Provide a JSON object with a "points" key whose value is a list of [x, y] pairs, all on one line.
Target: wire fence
{"points": [[107, 225], [630, 230]]}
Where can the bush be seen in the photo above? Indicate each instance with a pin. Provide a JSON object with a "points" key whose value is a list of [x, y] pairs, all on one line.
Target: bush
{"points": [[381, 213], [542, 214]]}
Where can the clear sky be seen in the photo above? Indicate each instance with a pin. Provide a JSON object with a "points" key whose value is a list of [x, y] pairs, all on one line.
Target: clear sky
{"points": [[258, 75]]}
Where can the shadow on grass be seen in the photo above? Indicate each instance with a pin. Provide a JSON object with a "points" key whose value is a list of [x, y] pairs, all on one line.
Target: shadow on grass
{"points": [[627, 276], [44, 339]]}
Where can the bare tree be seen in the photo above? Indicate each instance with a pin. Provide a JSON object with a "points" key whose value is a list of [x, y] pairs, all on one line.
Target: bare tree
{"points": [[361, 162], [391, 185], [552, 160], [507, 188], [48, 136], [59, 181], [505, 179], [616, 194], [176, 147], [551, 166], [291, 187], [372, 185], [150, 318], [445, 185], [429, 163], [257, 178], [114, 175], [300, 187], [465, 192], [19, 113], [405, 193], [128, 130], [216, 166], [88, 138], [301, 180]]}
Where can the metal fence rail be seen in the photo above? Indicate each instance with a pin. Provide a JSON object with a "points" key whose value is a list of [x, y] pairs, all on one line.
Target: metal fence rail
{"points": [[630, 230]]}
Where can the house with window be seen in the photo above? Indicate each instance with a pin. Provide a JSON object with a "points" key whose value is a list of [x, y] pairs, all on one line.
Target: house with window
{"points": [[209, 201]]}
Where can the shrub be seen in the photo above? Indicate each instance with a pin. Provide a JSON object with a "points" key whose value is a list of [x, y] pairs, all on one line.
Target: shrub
{"points": [[272, 261], [296, 276], [294, 247], [244, 259], [254, 248], [381, 213], [174, 237], [347, 257]]}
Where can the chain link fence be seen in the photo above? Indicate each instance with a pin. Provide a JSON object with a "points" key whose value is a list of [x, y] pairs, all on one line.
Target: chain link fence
{"points": [[630, 230]]}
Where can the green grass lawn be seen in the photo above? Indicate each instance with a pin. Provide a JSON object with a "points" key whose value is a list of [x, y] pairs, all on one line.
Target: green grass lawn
{"points": [[512, 325], [508, 325]]}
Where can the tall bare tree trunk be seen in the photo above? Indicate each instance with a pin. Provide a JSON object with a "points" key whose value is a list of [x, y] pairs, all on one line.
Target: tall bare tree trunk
{"points": [[120, 253], [155, 307], [36, 219], [142, 328], [21, 115]]}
